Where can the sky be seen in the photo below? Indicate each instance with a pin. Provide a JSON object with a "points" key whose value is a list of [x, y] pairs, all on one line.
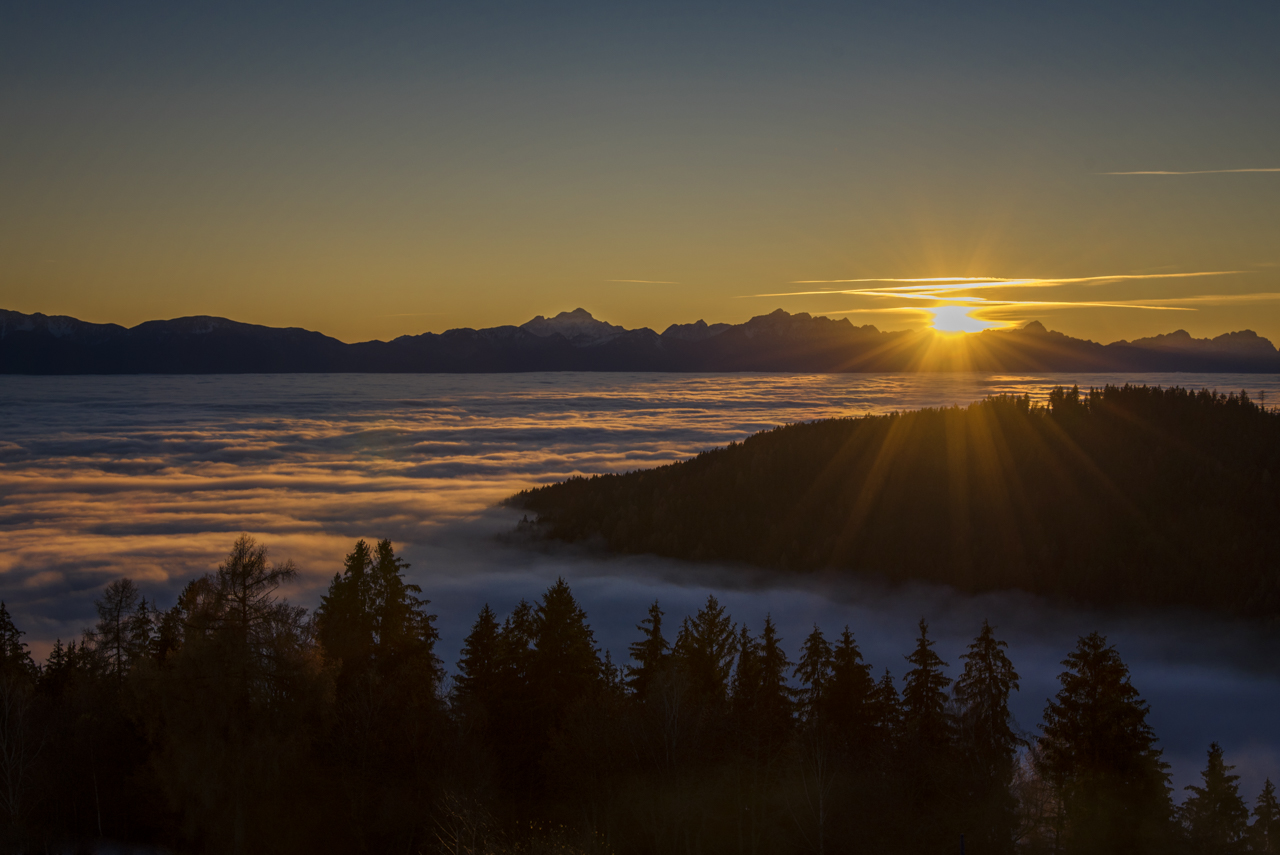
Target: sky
{"points": [[391, 169]]}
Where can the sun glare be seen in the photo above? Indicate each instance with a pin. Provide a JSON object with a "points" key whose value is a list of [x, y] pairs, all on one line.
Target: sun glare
{"points": [[956, 319]]}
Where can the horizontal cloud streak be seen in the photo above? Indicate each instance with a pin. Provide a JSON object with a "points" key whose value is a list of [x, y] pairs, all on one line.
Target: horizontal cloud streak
{"points": [[1192, 171]]}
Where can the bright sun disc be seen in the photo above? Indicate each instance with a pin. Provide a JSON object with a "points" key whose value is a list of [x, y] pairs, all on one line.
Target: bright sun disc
{"points": [[955, 319]]}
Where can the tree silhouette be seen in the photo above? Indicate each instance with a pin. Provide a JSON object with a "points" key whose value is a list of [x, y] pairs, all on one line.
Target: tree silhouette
{"points": [[479, 668], [705, 647], [813, 670], [15, 658], [1215, 816], [650, 652], [924, 696], [1100, 754], [1264, 833], [988, 741], [114, 635]]}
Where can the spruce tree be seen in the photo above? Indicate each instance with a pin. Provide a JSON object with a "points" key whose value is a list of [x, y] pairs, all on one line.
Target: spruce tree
{"points": [[813, 670], [566, 666], [925, 759], [705, 648], [1264, 834], [142, 628], [1215, 817], [1099, 753], [650, 652], [15, 658], [344, 620], [988, 741], [924, 696], [887, 710], [479, 668], [775, 695], [850, 700]]}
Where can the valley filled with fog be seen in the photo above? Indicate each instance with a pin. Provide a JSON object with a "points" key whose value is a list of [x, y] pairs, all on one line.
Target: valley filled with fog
{"points": [[153, 477]]}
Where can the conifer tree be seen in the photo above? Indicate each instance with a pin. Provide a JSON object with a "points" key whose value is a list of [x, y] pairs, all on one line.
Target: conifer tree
{"points": [[774, 700], [814, 672], [566, 665], [988, 740], [650, 652], [747, 679], [851, 694], [1215, 817], [515, 644], [479, 668], [705, 648], [344, 620], [142, 628], [1099, 753], [405, 635], [887, 706], [1264, 833], [924, 696], [15, 658]]}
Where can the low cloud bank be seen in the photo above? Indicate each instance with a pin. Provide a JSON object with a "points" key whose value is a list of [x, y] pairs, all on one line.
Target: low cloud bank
{"points": [[153, 477]]}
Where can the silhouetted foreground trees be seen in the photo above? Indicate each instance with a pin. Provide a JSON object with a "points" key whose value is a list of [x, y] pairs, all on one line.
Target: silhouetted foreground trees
{"points": [[1118, 496], [234, 722]]}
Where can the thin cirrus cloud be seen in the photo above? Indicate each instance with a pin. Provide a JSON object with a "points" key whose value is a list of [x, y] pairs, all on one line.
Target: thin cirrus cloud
{"points": [[1192, 171], [956, 290]]}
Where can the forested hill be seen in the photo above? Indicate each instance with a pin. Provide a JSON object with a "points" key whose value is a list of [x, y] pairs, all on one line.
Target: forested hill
{"points": [[1118, 496]]}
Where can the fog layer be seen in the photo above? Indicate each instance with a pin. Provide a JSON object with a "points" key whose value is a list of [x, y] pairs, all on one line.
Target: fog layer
{"points": [[151, 477]]}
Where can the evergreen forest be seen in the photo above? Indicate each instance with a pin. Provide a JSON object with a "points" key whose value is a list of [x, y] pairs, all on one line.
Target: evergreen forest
{"points": [[1115, 497], [236, 722]]}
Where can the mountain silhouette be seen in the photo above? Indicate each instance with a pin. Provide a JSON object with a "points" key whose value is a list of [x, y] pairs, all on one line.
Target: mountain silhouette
{"points": [[577, 341]]}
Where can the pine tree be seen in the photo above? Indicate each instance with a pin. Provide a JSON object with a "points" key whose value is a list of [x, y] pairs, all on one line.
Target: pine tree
{"points": [[1264, 834], [1099, 753], [924, 697], [988, 740], [851, 695], [345, 618], [814, 673], [479, 668], [775, 695], [744, 691], [1215, 817], [887, 708], [705, 648], [566, 665], [15, 658], [650, 652], [142, 626], [402, 627]]}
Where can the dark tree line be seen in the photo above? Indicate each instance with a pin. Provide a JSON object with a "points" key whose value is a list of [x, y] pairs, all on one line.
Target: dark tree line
{"points": [[1117, 496], [234, 722]]}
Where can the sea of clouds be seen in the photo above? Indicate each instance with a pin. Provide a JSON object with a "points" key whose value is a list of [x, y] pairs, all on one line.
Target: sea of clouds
{"points": [[153, 477]]}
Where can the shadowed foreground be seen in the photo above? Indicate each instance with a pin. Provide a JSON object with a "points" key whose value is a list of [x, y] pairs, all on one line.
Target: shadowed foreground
{"points": [[233, 722]]}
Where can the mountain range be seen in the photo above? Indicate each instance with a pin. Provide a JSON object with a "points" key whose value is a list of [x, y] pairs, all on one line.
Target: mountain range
{"points": [[576, 341]]}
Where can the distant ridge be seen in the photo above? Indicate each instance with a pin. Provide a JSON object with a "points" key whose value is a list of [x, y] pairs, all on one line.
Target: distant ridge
{"points": [[577, 341]]}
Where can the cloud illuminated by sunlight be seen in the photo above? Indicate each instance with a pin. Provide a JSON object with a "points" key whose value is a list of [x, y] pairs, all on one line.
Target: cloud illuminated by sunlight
{"points": [[1192, 172], [956, 309]]}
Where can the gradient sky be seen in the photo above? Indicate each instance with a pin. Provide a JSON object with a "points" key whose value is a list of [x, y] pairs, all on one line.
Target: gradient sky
{"points": [[391, 169]]}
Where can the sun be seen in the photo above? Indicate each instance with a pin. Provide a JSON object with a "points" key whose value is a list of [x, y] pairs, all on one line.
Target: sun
{"points": [[956, 319]]}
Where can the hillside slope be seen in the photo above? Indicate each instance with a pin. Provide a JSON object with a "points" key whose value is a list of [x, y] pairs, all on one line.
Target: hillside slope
{"points": [[1124, 495]]}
